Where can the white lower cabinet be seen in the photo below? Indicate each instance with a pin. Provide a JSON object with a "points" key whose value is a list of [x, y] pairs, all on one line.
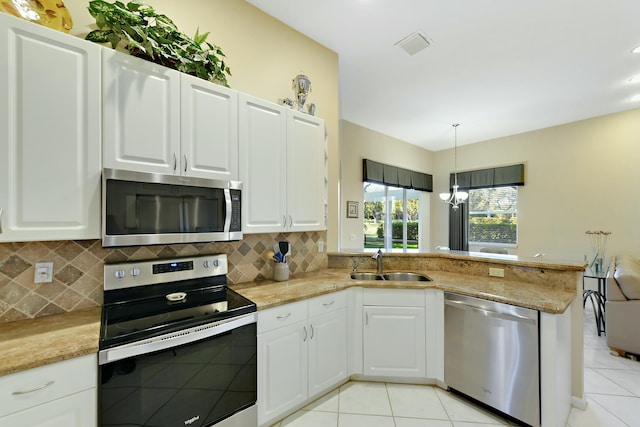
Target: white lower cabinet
{"points": [[394, 336], [327, 349], [77, 410], [282, 370], [302, 352], [60, 394]]}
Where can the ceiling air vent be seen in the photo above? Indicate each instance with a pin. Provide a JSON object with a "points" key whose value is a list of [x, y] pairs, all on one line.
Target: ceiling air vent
{"points": [[414, 43]]}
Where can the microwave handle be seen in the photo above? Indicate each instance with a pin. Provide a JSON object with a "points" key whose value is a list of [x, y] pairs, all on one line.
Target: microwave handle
{"points": [[228, 206]]}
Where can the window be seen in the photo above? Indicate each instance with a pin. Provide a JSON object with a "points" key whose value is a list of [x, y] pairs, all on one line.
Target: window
{"points": [[493, 215], [391, 208]]}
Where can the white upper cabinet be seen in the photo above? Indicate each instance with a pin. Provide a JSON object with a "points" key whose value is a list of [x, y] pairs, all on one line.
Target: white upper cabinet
{"points": [[305, 171], [141, 114], [160, 120], [209, 129], [50, 115], [263, 165], [282, 155]]}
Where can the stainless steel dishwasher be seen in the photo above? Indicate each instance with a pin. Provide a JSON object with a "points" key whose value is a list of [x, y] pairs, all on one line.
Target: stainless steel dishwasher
{"points": [[491, 355]]}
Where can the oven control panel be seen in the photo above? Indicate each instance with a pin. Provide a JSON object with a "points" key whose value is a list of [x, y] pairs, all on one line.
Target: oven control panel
{"points": [[150, 272]]}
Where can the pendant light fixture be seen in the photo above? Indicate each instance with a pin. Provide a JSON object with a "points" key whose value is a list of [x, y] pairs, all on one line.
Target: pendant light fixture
{"points": [[456, 197]]}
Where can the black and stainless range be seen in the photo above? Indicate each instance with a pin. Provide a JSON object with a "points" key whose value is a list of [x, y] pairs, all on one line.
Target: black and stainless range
{"points": [[177, 347]]}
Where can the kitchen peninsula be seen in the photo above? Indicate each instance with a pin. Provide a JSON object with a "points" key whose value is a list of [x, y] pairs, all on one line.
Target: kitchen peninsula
{"points": [[544, 285]]}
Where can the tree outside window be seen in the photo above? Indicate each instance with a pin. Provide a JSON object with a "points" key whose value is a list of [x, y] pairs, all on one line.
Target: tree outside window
{"points": [[493, 215]]}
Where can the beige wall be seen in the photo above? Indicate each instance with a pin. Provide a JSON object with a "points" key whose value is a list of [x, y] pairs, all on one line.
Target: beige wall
{"points": [[579, 176], [264, 56], [357, 143]]}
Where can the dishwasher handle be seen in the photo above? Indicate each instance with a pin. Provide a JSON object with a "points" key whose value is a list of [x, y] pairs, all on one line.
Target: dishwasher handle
{"points": [[491, 313]]}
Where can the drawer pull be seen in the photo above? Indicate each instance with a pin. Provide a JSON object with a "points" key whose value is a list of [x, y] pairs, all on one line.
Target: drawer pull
{"points": [[328, 304], [20, 393], [283, 316]]}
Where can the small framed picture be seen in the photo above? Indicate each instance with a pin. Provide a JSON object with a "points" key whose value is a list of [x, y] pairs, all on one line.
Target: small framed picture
{"points": [[352, 209]]}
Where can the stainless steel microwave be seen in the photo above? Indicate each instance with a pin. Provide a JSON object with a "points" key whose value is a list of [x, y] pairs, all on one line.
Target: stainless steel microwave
{"points": [[149, 209]]}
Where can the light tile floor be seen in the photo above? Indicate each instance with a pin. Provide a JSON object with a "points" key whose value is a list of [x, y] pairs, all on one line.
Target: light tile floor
{"points": [[612, 388]]}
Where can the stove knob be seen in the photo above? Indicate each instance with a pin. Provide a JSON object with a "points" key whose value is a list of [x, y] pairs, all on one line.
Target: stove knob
{"points": [[120, 274], [216, 263], [206, 264], [135, 272]]}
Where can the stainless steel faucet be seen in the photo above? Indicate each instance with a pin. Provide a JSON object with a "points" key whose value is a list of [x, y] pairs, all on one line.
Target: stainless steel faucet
{"points": [[378, 256]]}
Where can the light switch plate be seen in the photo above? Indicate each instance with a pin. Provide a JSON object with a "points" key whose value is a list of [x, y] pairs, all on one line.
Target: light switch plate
{"points": [[496, 272], [43, 272]]}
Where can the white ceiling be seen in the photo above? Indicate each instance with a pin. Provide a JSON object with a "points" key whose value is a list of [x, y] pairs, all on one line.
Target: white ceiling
{"points": [[497, 67]]}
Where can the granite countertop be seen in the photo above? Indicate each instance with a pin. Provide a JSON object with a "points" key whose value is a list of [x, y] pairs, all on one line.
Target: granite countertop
{"points": [[27, 344], [37, 342], [267, 294]]}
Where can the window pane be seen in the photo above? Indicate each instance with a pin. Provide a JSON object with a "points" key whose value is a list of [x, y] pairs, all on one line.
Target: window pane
{"points": [[493, 215], [413, 219], [403, 221], [374, 215]]}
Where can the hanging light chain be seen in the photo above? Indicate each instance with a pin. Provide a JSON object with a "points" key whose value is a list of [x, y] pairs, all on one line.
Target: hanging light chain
{"points": [[456, 197]]}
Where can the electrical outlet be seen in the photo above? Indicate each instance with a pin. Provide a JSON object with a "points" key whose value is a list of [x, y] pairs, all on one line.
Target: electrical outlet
{"points": [[320, 246], [496, 272], [43, 272]]}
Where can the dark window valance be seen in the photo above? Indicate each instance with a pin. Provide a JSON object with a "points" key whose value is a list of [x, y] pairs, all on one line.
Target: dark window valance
{"points": [[492, 177], [395, 176]]}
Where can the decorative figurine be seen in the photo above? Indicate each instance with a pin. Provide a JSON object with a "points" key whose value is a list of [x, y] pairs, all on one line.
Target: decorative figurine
{"points": [[301, 88]]}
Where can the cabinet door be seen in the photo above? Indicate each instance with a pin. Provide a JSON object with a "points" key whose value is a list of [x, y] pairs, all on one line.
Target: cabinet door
{"points": [[327, 351], [394, 341], [49, 134], [305, 167], [209, 129], [263, 169], [141, 114], [282, 370], [77, 410]]}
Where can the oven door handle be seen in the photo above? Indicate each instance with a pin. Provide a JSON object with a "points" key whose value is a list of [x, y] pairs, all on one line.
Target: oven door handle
{"points": [[173, 339]]}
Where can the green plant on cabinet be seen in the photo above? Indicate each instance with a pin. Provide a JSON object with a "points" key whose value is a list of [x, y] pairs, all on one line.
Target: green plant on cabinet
{"points": [[153, 36]]}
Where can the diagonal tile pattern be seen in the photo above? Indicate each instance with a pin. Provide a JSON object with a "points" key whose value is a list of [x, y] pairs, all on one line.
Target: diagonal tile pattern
{"points": [[612, 388], [78, 268]]}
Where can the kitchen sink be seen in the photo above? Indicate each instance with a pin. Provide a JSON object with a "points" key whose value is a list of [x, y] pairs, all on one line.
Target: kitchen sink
{"points": [[406, 277], [366, 276], [395, 275]]}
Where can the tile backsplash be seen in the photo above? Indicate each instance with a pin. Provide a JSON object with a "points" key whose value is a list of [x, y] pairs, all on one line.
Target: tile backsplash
{"points": [[78, 268]]}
